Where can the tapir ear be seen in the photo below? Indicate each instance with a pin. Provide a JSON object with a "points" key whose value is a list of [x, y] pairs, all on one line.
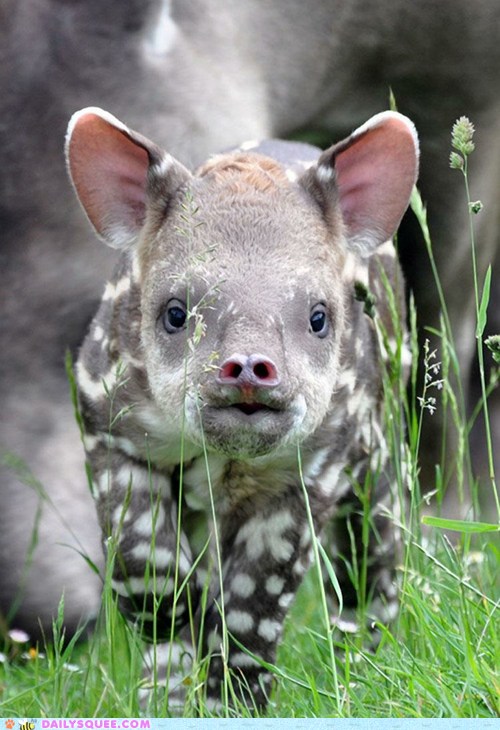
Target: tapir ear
{"points": [[369, 176], [117, 173]]}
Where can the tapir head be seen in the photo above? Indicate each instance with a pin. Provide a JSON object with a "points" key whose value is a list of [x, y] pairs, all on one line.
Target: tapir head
{"points": [[241, 270]]}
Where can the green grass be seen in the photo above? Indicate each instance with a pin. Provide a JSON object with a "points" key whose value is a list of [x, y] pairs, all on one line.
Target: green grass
{"points": [[440, 658]]}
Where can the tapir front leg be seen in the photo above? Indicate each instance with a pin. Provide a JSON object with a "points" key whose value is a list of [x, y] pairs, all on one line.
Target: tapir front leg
{"points": [[264, 560], [363, 541], [138, 519]]}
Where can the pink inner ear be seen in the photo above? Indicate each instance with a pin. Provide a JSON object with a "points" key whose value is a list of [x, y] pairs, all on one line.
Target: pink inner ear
{"points": [[109, 172], [375, 176]]}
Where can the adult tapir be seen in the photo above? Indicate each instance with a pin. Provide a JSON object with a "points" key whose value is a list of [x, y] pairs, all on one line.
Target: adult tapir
{"points": [[199, 76]]}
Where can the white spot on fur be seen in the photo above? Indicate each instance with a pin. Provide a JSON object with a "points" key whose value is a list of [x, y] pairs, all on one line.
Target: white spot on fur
{"points": [[359, 347], [120, 515], [281, 550], [274, 584], [103, 483], [269, 629], [98, 333], [119, 588], [163, 654], [140, 586], [285, 600], [387, 248], [243, 585], [298, 567], [109, 291], [357, 401], [122, 286], [305, 538], [162, 557], [240, 659], [330, 478], [184, 564], [195, 480], [315, 466], [135, 268], [239, 621], [125, 445], [354, 269], [165, 587], [259, 534], [325, 174], [162, 168], [347, 379], [344, 625], [90, 442], [213, 641], [93, 389], [406, 356], [110, 379], [143, 525], [132, 477]]}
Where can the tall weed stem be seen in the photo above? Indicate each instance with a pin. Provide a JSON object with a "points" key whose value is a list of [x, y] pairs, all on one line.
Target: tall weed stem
{"points": [[462, 142]]}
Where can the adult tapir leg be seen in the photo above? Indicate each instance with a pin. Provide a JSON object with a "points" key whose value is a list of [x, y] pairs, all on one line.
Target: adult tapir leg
{"points": [[49, 298], [55, 58], [48, 520]]}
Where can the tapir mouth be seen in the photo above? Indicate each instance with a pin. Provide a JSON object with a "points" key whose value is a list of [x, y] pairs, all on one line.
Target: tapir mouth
{"points": [[241, 426], [251, 402], [250, 408]]}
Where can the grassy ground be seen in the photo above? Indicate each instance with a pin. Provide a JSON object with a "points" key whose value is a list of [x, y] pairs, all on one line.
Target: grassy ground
{"points": [[439, 659]]}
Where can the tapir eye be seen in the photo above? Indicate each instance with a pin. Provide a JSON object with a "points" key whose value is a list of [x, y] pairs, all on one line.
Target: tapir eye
{"points": [[174, 316], [319, 320]]}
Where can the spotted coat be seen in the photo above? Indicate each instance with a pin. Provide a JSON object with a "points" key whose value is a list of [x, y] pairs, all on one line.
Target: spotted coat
{"points": [[232, 369]]}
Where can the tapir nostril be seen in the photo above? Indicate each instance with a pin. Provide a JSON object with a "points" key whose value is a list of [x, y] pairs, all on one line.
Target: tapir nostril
{"points": [[254, 371], [264, 371], [231, 370]]}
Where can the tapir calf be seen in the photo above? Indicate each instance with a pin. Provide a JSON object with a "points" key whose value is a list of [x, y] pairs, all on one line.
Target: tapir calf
{"points": [[231, 370]]}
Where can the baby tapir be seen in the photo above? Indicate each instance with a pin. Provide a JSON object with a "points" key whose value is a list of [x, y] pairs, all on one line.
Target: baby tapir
{"points": [[231, 370]]}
